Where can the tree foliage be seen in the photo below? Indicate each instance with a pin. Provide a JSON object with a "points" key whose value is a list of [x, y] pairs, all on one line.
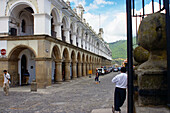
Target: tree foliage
{"points": [[119, 49]]}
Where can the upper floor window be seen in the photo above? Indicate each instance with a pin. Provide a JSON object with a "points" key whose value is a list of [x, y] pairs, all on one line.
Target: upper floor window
{"points": [[23, 26]]}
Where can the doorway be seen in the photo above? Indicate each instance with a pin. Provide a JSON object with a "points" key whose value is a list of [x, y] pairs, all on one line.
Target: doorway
{"points": [[23, 69]]}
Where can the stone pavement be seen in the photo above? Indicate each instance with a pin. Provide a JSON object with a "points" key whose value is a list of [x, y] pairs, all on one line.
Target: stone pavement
{"points": [[81, 95]]}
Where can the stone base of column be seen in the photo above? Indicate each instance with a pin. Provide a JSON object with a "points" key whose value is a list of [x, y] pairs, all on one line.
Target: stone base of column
{"points": [[41, 85], [152, 87]]}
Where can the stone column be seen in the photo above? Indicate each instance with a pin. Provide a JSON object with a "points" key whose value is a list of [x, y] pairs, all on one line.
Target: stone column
{"points": [[4, 66], [58, 75], [94, 69], [4, 22], [58, 30], [74, 70], [79, 42], [79, 69], [43, 70], [42, 24], [67, 70], [73, 36], [90, 66], [87, 69], [84, 44], [84, 68], [67, 34]]}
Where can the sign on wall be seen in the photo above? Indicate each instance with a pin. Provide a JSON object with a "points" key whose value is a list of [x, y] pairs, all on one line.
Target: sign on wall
{"points": [[3, 52]]}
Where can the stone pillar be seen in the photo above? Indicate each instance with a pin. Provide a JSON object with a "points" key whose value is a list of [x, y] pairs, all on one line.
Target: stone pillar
{"points": [[73, 36], [152, 74], [84, 68], [58, 30], [67, 35], [43, 74], [67, 70], [4, 22], [58, 75], [84, 44], [94, 69], [79, 42], [4, 66], [87, 69], [42, 24], [74, 70], [79, 69], [90, 66]]}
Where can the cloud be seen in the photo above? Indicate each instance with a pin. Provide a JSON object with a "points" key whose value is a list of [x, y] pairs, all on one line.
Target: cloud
{"points": [[114, 24], [97, 3]]}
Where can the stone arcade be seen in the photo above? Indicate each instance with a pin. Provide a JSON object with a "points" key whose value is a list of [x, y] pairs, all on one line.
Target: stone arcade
{"points": [[50, 40]]}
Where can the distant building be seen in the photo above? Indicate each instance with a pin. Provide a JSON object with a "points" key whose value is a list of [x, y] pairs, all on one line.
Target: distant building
{"points": [[50, 40]]}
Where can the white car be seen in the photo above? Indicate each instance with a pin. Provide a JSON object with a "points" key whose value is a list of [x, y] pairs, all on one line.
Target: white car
{"points": [[115, 70]]}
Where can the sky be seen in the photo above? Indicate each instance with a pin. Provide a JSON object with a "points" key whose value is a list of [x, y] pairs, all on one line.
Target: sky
{"points": [[111, 16]]}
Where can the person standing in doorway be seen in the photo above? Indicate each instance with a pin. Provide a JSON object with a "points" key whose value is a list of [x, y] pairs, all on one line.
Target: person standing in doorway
{"points": [[6, 82], [27, 75], [120, 91]]}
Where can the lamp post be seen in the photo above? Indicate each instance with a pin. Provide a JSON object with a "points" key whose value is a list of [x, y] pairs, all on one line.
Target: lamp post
{"points": [[129, 57]]}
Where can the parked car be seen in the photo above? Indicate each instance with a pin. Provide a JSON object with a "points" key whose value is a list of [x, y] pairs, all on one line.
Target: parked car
{"points": [[115, 70], [100, 71], [110, 69]]}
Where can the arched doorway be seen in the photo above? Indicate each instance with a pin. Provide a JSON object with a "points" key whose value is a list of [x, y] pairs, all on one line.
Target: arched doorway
{"points": [[65, 65], [22, 20], [56, 64], [22, 58]]}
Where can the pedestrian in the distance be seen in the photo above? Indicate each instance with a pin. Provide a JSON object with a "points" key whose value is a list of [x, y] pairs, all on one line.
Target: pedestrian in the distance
{"points": [[97, 77], [120, 91], [6, 82]]}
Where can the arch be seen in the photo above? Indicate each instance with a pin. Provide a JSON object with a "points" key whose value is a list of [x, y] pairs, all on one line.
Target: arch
{"points": [[56, 51], [14, 5], [92, 59], [18, 13], [87, 58], [73, 56], [16, 50], [78, 57], [22, 58], [55, 15], [65, 54], [65, 22], [83, 57]]}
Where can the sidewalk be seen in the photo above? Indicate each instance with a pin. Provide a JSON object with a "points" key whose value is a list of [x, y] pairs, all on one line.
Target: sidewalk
{"points": [[107, 110], [144, 109]]}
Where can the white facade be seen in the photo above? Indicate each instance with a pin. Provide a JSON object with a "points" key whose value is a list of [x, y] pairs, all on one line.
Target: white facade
{"points": [[53, 18]]}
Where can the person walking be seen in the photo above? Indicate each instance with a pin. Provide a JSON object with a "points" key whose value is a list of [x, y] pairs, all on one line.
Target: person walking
{"points": [[6, 82], [120, 91], [97, 77]]}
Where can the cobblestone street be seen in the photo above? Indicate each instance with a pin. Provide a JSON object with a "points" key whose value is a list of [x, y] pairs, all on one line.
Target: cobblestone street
{"points": [[81, 95]]}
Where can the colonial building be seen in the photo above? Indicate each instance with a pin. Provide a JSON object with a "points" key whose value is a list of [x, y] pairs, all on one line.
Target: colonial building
{"points": [[50, 40]]}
